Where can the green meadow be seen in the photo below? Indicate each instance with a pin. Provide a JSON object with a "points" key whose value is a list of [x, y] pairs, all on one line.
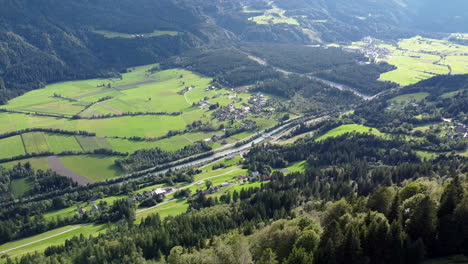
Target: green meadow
{"points": [[274, 15], [414, 97], [19, 187], [11, 147], [420, 58], [341, 130], [94, 167], [50, 238]]}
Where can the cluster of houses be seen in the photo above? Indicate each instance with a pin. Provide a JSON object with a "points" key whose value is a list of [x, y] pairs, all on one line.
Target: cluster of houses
{"points": [[372, 48], [83, 211], [458, 131], [253, 177], [150, 194], [138, 36], [258, 101], [232, 112]]}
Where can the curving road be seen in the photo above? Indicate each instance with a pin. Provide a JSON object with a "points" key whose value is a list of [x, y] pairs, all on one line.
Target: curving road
{"points": [[338, 86]]}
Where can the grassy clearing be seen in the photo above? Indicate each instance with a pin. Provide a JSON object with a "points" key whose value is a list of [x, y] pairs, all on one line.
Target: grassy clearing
{"points": [[19, 187], [274, 15], [94, 167], [56, 240], [35, 142], [414, 97], [300, 166], [341, 130], [11, 147], [426, 155], [172, 208], [156, 33]]}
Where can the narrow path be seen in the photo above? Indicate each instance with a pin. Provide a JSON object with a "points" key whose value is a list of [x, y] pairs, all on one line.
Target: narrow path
{"points": [[188, 102], [45, 238], [56, 165]]}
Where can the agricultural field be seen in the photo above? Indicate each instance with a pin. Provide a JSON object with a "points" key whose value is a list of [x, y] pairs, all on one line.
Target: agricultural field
{"points": [[35, 142], [101, 106], [93, 167], [416, 58], [341, 130], [156, 33], [11, 147]]}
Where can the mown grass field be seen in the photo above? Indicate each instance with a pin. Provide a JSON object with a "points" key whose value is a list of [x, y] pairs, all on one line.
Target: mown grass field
{"points": [[94, 167], [341, 130], [61, 143], [35, 142], [11, 147]]}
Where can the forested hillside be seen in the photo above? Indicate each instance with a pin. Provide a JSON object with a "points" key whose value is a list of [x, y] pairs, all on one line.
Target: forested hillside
{"points": [[50, 41]]}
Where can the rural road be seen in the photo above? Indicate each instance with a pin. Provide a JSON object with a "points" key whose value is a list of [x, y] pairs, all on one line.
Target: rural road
{"points": [[45, 238], [338, 86]]}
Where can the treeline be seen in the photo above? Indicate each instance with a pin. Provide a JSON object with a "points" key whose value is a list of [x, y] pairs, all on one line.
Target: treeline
{"points": [[47, 130], [101, 151], [332, 151], [228, 67], [112, 115], [145, 159]]}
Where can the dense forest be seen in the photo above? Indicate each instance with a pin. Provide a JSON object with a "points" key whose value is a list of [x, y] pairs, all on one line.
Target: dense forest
{"points": [[331, 213], [333, 64]]}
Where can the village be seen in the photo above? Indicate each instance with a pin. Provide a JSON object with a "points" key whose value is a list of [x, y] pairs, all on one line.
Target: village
{"points": [[456, 130], [371, 48], [255, 105]]}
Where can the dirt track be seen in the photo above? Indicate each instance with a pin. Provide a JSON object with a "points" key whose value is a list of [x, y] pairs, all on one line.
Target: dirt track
{"points": [[56, 165]]}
